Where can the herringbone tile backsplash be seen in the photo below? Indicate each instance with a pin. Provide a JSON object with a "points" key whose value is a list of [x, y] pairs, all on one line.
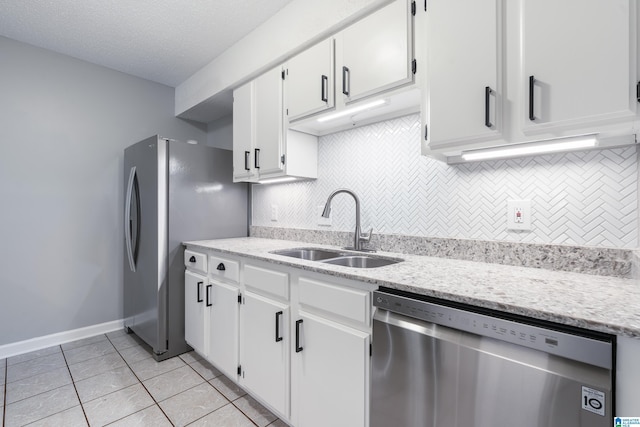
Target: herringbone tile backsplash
{"points": [[583, 198]]}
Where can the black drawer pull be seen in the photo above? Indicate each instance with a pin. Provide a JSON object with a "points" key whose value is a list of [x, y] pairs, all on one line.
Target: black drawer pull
{"points": [[208, 293], [192, 259], [198, 286], [220, 267], [346, 81], [278, 315], [532, 83], [487, 107], [298, 347], [324, 88]]}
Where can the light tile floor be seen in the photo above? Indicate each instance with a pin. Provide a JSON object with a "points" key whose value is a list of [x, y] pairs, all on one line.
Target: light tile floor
{"points": [[113, 380]]}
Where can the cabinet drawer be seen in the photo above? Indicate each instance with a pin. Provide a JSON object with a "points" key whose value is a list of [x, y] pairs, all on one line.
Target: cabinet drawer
{"points": [[195, 261], [266, 281], [352, 304], [223, 268]]}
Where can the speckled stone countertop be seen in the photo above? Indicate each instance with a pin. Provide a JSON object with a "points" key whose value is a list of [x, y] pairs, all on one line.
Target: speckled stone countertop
{"points": [[599, 303]]}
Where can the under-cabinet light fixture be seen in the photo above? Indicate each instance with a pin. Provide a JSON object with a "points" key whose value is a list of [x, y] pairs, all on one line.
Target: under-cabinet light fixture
{"points": [[275, 180], [353, 110], [527, 149]]}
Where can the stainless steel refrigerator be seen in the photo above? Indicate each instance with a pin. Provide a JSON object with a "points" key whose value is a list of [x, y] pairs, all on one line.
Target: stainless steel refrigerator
{"points": [[174, 192]]}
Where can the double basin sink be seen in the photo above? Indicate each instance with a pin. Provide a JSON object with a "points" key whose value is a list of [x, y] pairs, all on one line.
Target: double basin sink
{"points": [[347, 259]]}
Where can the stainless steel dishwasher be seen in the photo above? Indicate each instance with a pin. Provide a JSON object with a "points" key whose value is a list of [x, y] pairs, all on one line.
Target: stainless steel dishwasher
{"points": [[438, 364]]}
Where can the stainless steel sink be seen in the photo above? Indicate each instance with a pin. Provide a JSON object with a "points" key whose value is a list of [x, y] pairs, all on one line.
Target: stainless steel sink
{"points": [[362, 261], [312, 254], [328, 256]]}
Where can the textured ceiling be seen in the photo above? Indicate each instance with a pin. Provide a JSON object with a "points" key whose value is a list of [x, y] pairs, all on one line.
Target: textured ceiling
{"points": [[160, 40]]}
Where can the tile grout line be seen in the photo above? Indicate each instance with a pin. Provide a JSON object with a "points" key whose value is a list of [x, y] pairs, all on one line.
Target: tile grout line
{"points": [[229, 400], [143, 386], [74, 386]]}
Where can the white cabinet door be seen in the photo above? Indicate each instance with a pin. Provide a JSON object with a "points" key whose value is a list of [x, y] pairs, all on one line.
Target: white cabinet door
{"points": [[309, 81], [464, 92], [264, 349], [331, 372], [222, 302], [377, 52], [269, 124], [243, 143], [578, 62], [194, 310]]}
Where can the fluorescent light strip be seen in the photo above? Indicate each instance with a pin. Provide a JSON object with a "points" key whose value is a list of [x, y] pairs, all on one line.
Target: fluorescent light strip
{"points": [[352, 110], [549, 146], [274, 180]]}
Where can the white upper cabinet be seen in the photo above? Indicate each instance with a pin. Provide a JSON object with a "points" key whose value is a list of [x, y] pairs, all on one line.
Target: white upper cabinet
{"points": [[269, 127], [510, 72], [578, 62], [374, 74], [262, 148], [243, 143], [463, 96], [376, 53], [309, 81]]}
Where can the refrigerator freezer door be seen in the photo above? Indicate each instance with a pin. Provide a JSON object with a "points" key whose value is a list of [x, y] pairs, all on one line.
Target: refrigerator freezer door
{"points": [[144, 294], [204, 203]]}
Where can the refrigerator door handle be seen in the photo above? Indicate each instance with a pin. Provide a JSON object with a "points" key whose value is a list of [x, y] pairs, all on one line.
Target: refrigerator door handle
{"points": [[127, 219]]}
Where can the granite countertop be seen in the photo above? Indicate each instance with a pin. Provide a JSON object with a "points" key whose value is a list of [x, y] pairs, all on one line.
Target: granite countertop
{"points": [[599, 303]]}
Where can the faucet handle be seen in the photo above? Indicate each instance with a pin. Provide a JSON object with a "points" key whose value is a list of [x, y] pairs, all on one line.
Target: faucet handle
{"points": [[367, 237]]}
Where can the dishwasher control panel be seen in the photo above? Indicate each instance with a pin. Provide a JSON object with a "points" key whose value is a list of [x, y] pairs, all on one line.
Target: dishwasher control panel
{"points": [[574, 347]]}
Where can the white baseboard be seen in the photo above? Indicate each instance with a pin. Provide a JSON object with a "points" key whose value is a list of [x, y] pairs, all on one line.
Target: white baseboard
{"points": [[39, 343]]}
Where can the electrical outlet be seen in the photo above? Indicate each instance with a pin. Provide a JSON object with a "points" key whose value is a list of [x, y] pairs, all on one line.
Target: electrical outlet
{"points": [[274, 212], [519, 215], [325, 222]]}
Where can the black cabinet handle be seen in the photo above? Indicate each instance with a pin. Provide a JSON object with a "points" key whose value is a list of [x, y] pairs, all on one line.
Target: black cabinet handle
{"points": [[278, 315], [298, 348], [247, 154], [220, 267], [346, 81], [487, 106], [198, 286], [256, 160], [638, 91], [324, 82], [208, 293], [192, 259], [532, 82]]}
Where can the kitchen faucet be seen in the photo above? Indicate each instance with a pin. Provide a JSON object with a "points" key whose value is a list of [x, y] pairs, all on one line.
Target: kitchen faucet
{"points": [[358, 237]]}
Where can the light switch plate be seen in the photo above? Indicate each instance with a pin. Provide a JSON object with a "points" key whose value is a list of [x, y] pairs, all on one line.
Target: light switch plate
{"points": [[519, 215], [325, 222], [274, 212]]}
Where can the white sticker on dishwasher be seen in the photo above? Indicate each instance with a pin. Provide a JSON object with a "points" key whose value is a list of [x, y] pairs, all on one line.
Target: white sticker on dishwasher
{"points": [[627, 422], [593, 400]]}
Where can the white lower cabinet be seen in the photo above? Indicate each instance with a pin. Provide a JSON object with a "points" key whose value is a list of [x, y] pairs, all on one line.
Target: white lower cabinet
{"points": [[194, 310], [330, 373], [222, 304], [297, 342], [264, 349]]}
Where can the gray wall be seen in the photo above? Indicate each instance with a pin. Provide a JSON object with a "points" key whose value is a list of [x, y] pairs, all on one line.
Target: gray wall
{"points": [[64, 124], [220, 133]]}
